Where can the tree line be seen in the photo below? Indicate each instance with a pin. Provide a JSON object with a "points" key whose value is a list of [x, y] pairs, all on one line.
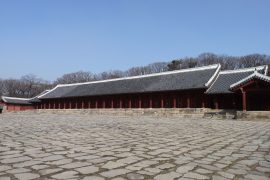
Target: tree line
{"points": [[30, 85]]}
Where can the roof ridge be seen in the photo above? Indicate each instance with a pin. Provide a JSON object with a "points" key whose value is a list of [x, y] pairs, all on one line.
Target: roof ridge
{"points": [[244, 69], [215, 75]]}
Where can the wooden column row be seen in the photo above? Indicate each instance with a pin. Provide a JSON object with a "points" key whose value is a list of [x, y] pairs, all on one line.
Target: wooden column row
{"points": [[125, 101]]}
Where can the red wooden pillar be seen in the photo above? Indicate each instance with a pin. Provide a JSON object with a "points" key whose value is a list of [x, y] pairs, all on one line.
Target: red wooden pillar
{"points": [[76, 104], [161, 101], [244, 99], [129, 102], [65, 105], [96, 103], [216, 103], [120, 103], [111, 103], [89, 103], [203, 102], [49, 104], [59, 104], [54, 104], [140, 102], [174, 101], [82, 103], [188, 101], [150, 102], [103, 103], [70, 106]]}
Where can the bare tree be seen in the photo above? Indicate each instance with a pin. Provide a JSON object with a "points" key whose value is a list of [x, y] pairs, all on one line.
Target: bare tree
{"points": [[109, 75], [135, 71], [11, 87], [27, 86], [189, 63], [174, 65], [76, 77], [252, 60], [30, 85], [207, 59], [1, 87], [227, 62], [158, 67]]}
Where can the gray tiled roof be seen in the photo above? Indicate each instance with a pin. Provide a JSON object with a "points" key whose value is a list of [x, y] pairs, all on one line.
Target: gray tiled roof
{"points": [[195, 78], [12, 100], [226, 78]]}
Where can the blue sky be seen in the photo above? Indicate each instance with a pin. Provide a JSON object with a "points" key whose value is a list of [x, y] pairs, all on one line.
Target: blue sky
{"points": [[52, 37]]}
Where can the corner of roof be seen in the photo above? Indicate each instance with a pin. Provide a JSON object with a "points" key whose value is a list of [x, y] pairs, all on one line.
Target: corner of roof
{"points": [[256, 74], [7, 97], [48, 91], [3, 98]]}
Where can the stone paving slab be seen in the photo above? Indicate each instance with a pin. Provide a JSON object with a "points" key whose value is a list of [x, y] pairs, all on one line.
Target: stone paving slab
{"points": [[51, 146]]}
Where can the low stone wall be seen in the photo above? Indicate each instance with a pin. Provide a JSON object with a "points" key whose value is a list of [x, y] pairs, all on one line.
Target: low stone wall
{"points": [[220, 114], [253, 115], [191, 112], [184, 113]]}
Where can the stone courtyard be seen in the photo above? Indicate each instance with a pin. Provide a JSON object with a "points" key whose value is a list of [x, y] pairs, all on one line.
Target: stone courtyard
{"points": [[50, 146]]}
